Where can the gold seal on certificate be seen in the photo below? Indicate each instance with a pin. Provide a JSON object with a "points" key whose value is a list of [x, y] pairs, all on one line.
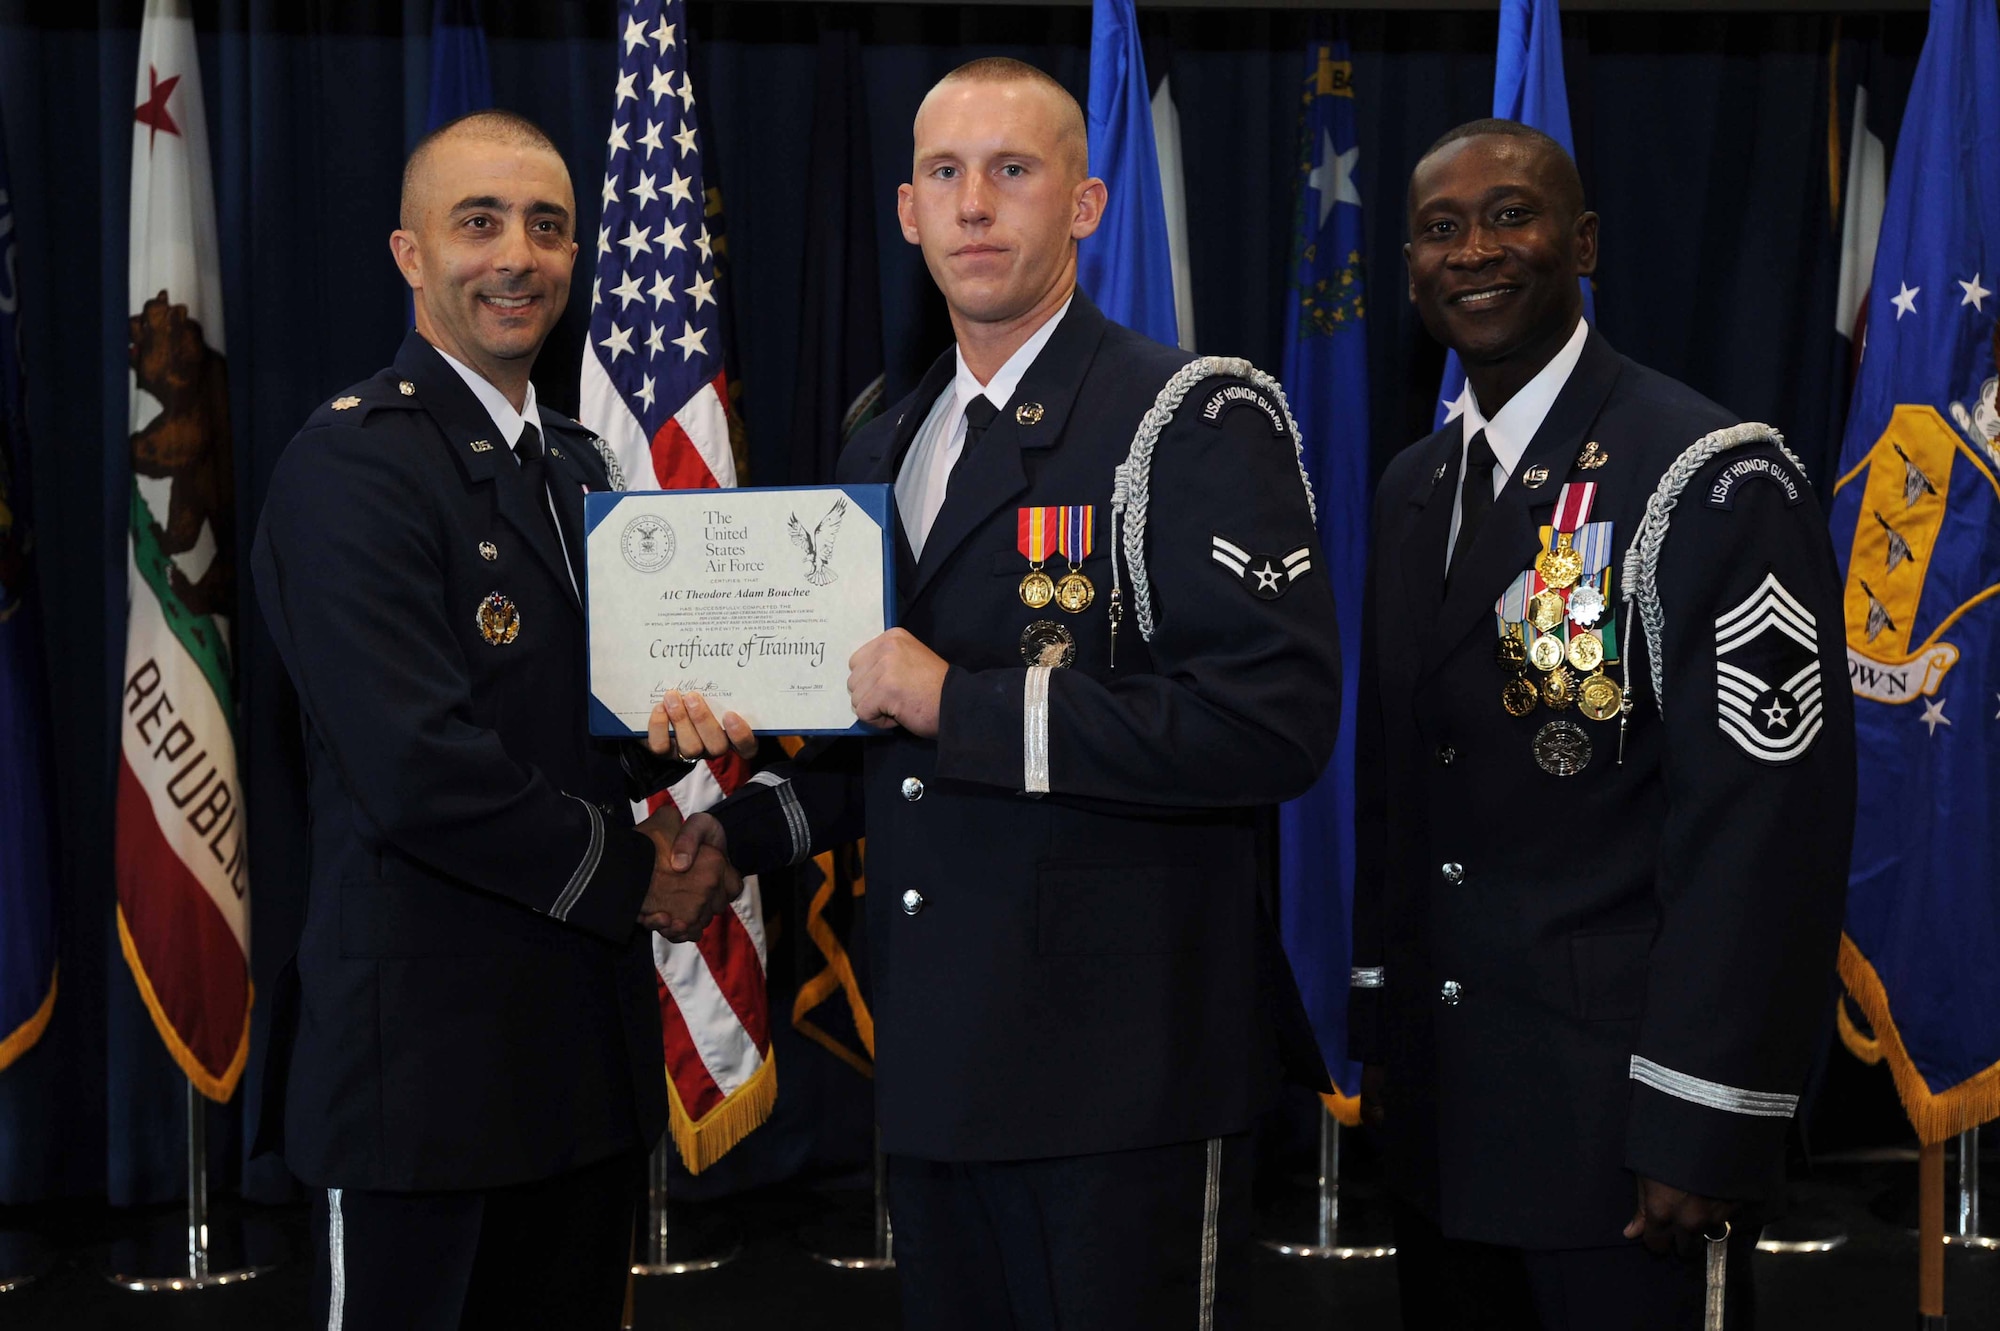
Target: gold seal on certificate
{"points": [[754, 598]]}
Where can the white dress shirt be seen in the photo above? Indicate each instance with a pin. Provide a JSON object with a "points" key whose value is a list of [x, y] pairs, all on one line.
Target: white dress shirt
{"points": [[511, 424], [1512, 428], [926, 473]]}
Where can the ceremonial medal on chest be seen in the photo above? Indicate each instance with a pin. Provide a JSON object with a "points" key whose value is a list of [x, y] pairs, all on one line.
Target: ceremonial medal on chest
{"points": [[1545, 610], [1035, 536], [499, 620], [1047, 643], [1511, 654], [1558, 689], [1561, 565], [1547, 653], [1599, 697], [1586, 604], [1562, 748], [1586, 651], [1076, 535], [1519, 696]]}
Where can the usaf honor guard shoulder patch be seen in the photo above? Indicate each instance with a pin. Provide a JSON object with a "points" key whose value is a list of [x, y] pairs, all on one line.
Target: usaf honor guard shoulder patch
{"points": [[1767, 675], [1230, 396], [1266, 577]]}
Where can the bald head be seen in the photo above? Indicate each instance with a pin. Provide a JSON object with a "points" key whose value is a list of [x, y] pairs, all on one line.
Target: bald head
{"points": [[1065, 115], [500, 129]]}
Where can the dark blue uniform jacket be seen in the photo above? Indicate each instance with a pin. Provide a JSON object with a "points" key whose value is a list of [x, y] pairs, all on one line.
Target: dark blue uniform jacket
{"points": [[473, 1004]]}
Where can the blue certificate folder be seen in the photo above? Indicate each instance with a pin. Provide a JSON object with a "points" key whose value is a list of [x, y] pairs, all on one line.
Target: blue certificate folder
{"points": [[877, 501]]}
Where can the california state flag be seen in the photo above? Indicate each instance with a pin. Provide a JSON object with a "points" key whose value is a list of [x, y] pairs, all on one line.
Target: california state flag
{"points": [[183, 889]]}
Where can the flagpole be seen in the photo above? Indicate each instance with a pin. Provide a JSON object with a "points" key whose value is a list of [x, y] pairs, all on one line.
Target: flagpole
{"points": [[1967, 1234], [1930, 1238], [883, 1256], [664, 1253], [1326, 1243], [201, 1273]]}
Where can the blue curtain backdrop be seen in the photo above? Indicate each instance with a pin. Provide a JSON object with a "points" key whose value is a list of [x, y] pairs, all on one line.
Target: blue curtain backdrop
{"points": [[1703, 141]]}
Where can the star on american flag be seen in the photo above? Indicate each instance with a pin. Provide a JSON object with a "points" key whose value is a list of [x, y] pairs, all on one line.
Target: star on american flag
{"points": [[655, 327]]}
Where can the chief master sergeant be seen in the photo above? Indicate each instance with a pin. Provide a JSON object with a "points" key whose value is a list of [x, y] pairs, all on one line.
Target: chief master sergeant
{"points": [[1078, 994], [1606, 789], [475, 1066]]}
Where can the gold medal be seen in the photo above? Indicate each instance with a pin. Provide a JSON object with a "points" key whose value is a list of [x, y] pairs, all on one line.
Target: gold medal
{"points": [[1558, 689], [1074, 593], [1047, 643], [1545, 610], [1562, 748], [1037, 589], [1519, 696], [1547, 653], [1562, 566], [1600, 697], [1586, 652], [1511, 654], [499, 620]]}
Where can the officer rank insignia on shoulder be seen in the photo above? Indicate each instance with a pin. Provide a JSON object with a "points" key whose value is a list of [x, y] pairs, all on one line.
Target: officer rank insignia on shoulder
{"points": [[347, 403], [1230, 396], [1266, 577], [1767, 675]]}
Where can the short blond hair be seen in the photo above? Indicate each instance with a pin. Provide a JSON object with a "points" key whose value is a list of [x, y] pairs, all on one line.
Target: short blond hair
{"points": [[1072, 131]]}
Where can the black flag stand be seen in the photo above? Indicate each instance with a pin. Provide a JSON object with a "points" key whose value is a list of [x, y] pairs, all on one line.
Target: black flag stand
{"points": [[883, 1255], [200, 1274]]}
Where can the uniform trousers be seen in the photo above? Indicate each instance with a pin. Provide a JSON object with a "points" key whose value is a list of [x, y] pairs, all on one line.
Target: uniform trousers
{"points": [[1452, 1284], [551, 1253], [1155, 1239]]}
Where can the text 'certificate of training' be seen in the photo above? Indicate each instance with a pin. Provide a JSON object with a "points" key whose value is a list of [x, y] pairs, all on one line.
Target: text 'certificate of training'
{"points": [[754, 598]]}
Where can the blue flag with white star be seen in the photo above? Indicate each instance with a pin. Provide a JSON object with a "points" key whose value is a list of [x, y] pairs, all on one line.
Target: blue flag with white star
{"points": [[1326, 376], [1125, 266], [1916, 515], [1528, 87]]}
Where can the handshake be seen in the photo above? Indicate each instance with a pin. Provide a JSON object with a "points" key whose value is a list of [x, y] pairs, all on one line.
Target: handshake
{"points": [[693, 881]]}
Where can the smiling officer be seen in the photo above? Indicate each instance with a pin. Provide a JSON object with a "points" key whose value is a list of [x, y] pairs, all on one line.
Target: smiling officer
{"points": [[472, 1026], [1606, 773]]}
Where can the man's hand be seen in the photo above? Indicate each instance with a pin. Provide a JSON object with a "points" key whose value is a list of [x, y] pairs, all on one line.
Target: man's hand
{"points": [[681, 901], [894, 680], [1374, 1081], [1670, 1220], [684, 726]]}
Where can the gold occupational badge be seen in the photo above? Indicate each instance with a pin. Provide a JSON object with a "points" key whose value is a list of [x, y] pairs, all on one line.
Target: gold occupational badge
{"points": [[499, 620], [1047, 643], [1028, 413], [346, 403], [488, 550], [1592, 457], [406, 388]]}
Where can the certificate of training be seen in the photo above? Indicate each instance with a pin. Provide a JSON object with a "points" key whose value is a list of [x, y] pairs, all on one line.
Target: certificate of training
{"points": [[754, 598]]}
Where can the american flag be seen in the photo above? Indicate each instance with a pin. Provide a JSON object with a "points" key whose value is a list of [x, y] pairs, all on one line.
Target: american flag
{"points": [[653, 381], [653, 388]]}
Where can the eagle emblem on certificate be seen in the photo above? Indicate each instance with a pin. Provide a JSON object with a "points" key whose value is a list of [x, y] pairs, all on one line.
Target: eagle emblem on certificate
{"points": [[817, 544]]}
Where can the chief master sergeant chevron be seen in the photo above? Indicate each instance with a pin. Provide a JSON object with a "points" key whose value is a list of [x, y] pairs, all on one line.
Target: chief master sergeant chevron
{"points": [[1605, 756], [1078, 994]]}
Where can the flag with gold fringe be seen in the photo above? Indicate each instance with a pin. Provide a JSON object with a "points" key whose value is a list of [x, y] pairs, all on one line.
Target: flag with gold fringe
{"points": [[1916, 514], [183, 886]]}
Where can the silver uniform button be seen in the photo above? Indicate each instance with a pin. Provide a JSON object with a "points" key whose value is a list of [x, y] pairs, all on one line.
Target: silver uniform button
{"points": [[1454, 874], [1451, 992], [913, 790], [913, 901]]}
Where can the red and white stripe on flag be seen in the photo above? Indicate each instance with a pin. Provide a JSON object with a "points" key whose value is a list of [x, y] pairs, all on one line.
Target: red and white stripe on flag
{"points": [[652, 386], [183, 888]]}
